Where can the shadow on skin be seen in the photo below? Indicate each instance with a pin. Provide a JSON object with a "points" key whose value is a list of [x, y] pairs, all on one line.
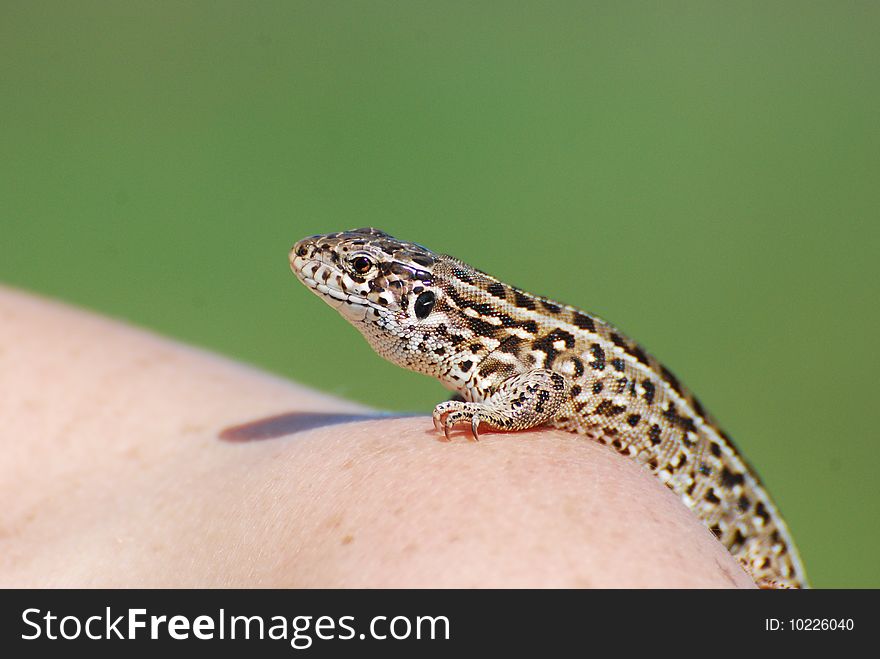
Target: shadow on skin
{"points": [[292, 423]]}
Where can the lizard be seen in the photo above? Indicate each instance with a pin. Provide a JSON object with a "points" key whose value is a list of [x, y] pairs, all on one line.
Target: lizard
{"points": [[516, 361]]}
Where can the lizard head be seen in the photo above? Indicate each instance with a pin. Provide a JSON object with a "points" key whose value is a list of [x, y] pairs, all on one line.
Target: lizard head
{"points": [[383, 286]]}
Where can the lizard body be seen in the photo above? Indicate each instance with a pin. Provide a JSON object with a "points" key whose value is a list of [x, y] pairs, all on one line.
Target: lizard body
{"points": [[519, 360]]}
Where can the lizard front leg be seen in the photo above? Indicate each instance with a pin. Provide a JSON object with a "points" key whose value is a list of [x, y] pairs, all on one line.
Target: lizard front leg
{"points": [[520, 402]]}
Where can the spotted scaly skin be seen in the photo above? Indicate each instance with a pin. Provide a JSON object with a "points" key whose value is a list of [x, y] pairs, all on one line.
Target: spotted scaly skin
{"points": [[519, 360]]}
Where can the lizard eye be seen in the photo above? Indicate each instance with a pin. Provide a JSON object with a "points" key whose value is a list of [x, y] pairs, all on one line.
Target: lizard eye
{"points": [[361, 264], [423, 305]]}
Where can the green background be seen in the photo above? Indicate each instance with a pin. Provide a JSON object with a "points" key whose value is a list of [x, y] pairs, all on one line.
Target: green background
{"points": [[705, 175]]}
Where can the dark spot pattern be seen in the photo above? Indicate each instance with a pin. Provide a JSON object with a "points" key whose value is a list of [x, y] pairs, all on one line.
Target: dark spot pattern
{"points": [[543, 397], [583, 321], [670, 379], [607, 408], [463, 275], [483, 309], [761, 512], [648, 386], [488, 367], [684, 422], [598, 363], [545, 343], [523, 301], [698, 407], [511, 344], [639, 354], [506, 321], [497, 289], [730, 479], [480, 327]]}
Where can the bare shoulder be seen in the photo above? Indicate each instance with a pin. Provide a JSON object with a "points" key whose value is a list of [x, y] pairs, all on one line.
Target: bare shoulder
{"points": [[132, 460]]}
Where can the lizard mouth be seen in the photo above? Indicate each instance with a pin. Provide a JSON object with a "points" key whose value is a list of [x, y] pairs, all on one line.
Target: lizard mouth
{"points": [[325, 281]]}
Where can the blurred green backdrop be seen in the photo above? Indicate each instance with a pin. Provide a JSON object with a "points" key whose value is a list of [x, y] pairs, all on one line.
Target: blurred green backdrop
{"points": [[705, 175]]}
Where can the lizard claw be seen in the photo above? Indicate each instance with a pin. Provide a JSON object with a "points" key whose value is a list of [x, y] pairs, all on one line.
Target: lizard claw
{"points": [[439, 419], [450, 414]]}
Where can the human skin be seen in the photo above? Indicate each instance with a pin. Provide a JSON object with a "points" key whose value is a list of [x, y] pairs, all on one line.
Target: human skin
{"points": [[129, 460]]}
